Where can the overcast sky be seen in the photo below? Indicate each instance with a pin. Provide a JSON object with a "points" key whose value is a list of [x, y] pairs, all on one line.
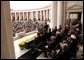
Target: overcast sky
{"points": [[22, 5]]}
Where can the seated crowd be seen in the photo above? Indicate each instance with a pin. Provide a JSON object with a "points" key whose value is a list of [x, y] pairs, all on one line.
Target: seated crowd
{"points": [[58, 43], [27, 26]]}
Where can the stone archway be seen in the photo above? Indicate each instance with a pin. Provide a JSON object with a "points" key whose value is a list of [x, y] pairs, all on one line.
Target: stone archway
{"points": [[74, 9]]}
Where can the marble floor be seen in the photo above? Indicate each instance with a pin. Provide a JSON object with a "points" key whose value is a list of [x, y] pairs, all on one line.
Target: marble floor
{"points": [[80, 52], [41, 56]]}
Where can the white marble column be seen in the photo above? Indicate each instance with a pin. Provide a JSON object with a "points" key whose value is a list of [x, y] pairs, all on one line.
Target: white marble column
{"points": [[31, 15], [82, 21], [67, 15], [59, 13], [11, 17], [44, 14], [36, 15], [19, 15], [27, 15], [40, 15], [7, 45], [64, 14], [53, 13], [48, 13], [23, 16], [15, 17]]}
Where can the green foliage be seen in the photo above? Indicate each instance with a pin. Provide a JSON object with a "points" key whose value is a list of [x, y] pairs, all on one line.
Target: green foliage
{"points": [[22, 45]]}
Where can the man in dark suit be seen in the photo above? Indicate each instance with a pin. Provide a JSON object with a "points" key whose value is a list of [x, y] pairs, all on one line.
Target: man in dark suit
{"points": [[60, 28], [46, 26], [73, 45], [78, 25], [75, 22], [54, 30], [66, 30]]}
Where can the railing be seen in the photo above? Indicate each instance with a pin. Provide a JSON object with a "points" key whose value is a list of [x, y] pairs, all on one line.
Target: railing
{"points": [[24, 35]]}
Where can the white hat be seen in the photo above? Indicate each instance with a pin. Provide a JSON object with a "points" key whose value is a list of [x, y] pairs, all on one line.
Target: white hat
{"points": [[57, 32], [46, 46], [77, 29], [53, 37], [72, 36]]}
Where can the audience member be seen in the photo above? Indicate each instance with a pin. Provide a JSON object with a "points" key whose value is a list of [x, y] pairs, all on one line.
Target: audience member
{"points": [[60, 28]]}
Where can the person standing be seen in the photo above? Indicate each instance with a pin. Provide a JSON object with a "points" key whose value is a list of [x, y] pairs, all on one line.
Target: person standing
{"points": [[60, 28]]}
